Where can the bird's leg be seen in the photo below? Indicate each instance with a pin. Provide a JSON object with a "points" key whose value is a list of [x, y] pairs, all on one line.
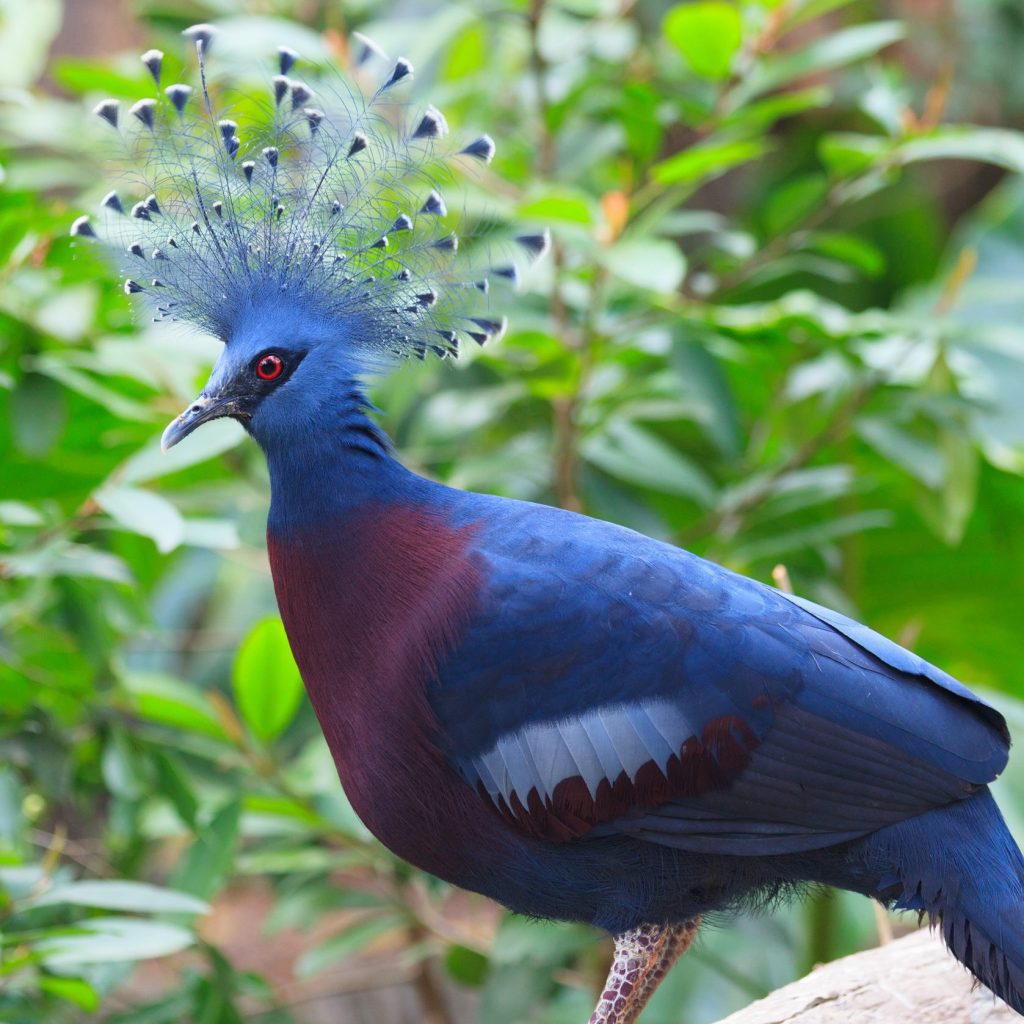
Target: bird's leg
{"points": [[643, 957]]}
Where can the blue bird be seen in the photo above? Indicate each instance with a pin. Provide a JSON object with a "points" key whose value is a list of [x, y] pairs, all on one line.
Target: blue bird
{"points": [[571, 718]]}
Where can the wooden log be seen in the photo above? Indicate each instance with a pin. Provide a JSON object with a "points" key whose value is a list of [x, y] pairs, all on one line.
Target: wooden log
{"points": [[914, 979]]}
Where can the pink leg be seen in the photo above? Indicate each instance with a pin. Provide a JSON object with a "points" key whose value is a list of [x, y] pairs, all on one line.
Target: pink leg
{"points": [[643, 957]]}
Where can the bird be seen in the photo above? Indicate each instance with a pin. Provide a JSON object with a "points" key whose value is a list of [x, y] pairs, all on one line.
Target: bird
{"points": [[581, 722]]}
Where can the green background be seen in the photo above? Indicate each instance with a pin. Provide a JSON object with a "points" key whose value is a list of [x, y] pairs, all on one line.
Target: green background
{"points": [[782, 324]]}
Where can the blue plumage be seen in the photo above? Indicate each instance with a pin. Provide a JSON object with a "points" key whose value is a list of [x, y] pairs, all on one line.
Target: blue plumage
{"points": [[323, 201], [802, 733], [574, 719]]}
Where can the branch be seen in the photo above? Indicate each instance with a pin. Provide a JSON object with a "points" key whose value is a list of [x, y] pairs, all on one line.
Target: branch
{"points": [[912, 979]]}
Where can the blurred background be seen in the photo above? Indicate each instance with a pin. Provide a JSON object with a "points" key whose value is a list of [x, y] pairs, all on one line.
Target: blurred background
{"points": [[782, 324]]}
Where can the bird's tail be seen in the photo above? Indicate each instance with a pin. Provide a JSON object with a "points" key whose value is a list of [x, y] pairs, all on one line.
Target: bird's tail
{"points": [[960, 866]]}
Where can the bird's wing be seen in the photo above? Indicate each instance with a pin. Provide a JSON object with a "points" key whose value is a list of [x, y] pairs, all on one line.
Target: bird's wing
{"points": [[610, 683]]}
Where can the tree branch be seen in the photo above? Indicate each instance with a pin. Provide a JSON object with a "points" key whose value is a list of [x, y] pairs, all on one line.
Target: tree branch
{"points": [[912, 979]]}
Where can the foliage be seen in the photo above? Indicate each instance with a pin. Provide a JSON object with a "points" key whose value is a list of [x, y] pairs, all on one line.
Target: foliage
{"points": [[760, 334]]}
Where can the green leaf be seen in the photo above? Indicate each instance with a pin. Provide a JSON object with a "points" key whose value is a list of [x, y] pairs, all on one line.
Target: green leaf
{"points": [[949, 514], [764, 113], [63, 559], [342, 945], [847, 154], [69, 313], [468, 53], [145, 513], [71, 990], [920, 457], [650, 263], [17, 513], [19, 880], [791, 204], [560, 205], [175, 788], [113, 940], [466, 966], [279, 808], [38, 414], [85, 76], [708, 34], [831, 50], [807, 10], [150, 462], [59, 367], [289, 861], [12, 797], [168, 701], [25, 41], [221, 534], [628, 452], [1002, 147], [886, 102], [700, 374], [850, 249], [266, 680], [120, 766], [816, 535], [709, 160], [210, 857], [796, 490], [139, 897]]}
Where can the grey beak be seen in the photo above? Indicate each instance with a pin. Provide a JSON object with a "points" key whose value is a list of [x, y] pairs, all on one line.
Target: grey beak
{"points": [[202, 409]]}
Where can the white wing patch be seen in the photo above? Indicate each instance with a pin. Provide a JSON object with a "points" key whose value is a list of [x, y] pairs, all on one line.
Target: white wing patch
{"points": [[597, 745]]}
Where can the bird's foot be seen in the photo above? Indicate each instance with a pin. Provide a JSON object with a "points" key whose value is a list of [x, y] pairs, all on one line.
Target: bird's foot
{"points": [[643, 957]]}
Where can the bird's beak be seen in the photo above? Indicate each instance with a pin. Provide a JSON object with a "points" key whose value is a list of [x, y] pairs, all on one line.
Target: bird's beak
{"points": [[205, 407]]}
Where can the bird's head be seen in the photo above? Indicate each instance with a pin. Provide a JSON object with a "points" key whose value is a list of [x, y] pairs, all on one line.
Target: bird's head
{"points": [[314, 241], [280, 373]]}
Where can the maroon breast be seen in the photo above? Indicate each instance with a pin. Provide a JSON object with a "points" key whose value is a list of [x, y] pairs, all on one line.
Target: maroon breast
{"points": [[371, 606]]}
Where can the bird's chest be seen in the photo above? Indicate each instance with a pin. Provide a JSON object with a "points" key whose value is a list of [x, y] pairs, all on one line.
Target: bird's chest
{"points": [[370, 613]]}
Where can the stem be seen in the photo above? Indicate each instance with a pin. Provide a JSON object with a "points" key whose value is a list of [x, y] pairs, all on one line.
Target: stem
{"points": [[566, 407], [564, 453], [539, 67], [433, 1005], [563, 407], [822, 922]]}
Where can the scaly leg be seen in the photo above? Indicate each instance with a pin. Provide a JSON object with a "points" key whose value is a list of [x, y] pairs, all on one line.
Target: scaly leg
{"points": [[643, 957]]}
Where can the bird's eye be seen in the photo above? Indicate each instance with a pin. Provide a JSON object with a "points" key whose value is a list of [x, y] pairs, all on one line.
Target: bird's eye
{"points": [[269, 367]]}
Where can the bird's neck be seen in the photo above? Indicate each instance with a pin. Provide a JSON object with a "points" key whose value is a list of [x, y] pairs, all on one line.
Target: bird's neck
{"points": [[329, 475]]}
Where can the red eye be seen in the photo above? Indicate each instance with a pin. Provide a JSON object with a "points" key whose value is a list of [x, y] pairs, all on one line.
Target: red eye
{"points": [[268, 367]]}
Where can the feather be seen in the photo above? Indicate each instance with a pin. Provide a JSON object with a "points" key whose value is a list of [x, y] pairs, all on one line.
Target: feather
{"points": [[264, 217], [286, 57], [153, 59]]}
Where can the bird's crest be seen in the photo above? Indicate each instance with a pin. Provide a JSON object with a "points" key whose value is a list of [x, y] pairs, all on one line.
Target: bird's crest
{"points": [[325, 201]]}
